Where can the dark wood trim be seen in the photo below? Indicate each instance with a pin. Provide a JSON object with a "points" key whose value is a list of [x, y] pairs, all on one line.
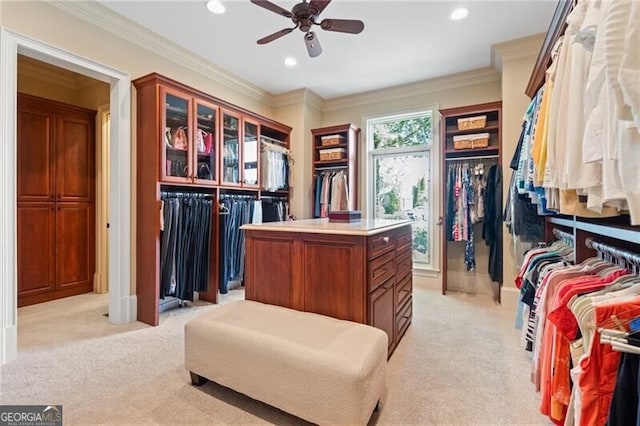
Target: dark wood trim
{"points": [[556, 29], [155, 78], [470, 109], [26, 300]]}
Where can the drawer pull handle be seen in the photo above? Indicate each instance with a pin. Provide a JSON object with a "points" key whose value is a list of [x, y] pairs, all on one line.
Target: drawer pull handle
{"points": [[385, 239]]}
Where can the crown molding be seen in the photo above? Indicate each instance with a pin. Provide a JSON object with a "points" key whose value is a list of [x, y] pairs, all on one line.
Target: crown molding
{"points": [[106, 19], [298, 96], [463, 79], [515, 49]]}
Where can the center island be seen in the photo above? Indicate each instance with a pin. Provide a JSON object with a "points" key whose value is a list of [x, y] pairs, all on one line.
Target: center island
{"points": [[359, 271]]}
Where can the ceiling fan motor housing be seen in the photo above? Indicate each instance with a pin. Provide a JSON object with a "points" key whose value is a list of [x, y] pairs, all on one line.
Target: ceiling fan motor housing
{"points": [[304, 16]]}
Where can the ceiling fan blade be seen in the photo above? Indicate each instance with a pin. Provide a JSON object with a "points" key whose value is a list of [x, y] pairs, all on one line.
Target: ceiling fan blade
{"points": [[276, 35], [319, 5], [272, 7], [312, 43], [351, 26]]}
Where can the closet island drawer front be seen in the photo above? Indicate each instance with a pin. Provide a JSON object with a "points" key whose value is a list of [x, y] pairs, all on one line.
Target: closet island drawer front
{"points": [[381, 269], [379, 244], [404, 239], [404, 264], [403, 319], [404, 290]]}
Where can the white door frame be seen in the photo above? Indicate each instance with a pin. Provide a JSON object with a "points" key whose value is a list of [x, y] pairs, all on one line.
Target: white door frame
{"points": [[122, 305]]}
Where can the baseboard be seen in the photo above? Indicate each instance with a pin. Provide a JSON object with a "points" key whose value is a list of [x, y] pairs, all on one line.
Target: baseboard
{"points": [[123, 310], [510, 298], [8, 344]]}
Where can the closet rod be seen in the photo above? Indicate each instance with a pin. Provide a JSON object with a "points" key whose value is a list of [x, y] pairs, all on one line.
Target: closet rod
{"points": [[623, 255], [237, 197], [563, 235], [477, 157], [330, 168], [169, 194]]}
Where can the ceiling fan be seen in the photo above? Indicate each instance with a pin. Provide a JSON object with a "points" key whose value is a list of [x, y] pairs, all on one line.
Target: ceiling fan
{"points": [[304, 15]]}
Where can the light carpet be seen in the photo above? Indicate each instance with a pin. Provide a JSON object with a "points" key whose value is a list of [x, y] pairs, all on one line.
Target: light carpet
{"points": [[459, 363]]}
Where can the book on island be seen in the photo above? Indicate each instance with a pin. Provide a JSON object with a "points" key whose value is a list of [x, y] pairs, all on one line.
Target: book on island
{"points": [[345, 216]]}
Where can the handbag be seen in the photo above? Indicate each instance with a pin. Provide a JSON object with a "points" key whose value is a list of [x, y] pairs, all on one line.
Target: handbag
{"points": [[179, 139], [200, 145], [204, 172], [208, 142], [177, 169]]}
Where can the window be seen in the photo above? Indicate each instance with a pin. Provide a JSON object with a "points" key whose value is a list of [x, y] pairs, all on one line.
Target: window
{"points": [[400, 175]]}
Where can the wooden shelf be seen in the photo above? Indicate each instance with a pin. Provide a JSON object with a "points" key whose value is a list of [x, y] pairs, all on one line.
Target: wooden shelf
{"points": [[490, 153], [349, 134], [332, 162], [488, 129], [340, 145]]}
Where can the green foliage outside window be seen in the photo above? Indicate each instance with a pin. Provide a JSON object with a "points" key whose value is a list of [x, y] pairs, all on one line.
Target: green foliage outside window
{"points": [[399, 133]]}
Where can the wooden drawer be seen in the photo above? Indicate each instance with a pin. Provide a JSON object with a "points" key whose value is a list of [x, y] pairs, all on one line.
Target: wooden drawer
{"points": [[379, 244], [381, 269], [403, 319], [404, 290], [404, 239], [404, 262]]}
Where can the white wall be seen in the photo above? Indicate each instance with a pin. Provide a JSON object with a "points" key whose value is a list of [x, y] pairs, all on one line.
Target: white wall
{"points": [[517, 59]]}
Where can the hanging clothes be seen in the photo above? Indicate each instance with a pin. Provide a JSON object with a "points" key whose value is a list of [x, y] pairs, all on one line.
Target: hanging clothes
{"points": [[331, 192], [185, 244], [235, 212], [569, 305], [275, 165], [475, 196]]}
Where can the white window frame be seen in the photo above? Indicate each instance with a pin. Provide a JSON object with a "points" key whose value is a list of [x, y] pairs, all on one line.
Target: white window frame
{"points": [[435, 191]]}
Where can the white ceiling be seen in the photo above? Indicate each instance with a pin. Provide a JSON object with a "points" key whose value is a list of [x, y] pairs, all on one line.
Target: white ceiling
{"points": [[403, 41]]}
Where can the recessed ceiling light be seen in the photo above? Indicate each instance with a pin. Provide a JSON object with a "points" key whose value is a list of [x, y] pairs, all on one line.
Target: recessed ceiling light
{"points": [[290, 61], [459, 13], [215, 6]]}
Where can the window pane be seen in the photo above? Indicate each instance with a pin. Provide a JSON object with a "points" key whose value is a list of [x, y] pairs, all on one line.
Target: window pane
{"points": [[402, 132], [402, 192]]}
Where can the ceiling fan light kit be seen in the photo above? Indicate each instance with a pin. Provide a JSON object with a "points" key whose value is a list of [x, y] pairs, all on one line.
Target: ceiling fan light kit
{"points": [[304, 16]]}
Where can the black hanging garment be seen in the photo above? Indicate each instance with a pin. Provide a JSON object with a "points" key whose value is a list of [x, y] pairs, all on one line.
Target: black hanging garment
{"points": [[492, 228]]}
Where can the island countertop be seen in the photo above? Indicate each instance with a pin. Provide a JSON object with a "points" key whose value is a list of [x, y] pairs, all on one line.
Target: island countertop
{"points": [[323, 226]]}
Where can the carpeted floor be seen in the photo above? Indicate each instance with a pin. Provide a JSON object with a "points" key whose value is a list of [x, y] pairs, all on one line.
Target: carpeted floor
{"points": [[460, 363]]}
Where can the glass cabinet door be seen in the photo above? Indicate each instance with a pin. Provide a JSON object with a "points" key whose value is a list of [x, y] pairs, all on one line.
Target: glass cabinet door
{"points": [[230, 149], [205, 143], [250, 154], [175, 138]]}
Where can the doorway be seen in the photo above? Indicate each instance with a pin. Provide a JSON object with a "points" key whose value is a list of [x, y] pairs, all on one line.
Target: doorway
{"points": [[122, 304]]}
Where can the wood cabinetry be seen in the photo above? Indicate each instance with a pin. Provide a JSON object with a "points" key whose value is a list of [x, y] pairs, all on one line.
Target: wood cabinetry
{"points": [[335, 149], [190, 141], [357, 276], [488, 153], [188, 152], [56, 200]]}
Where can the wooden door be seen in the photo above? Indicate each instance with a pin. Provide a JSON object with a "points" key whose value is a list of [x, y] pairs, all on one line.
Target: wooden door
{"points": [[334, 276], [34, 153], [56, 196], [75, 158], [36, 249], [381, 310], [75, 245]]}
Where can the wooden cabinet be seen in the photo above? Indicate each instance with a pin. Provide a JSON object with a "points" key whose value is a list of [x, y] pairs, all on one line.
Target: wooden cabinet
{"points": [[188, 141], [351, 277], [492, 127], [479, 145], [217, 150], [335, 150], [56, 200]]}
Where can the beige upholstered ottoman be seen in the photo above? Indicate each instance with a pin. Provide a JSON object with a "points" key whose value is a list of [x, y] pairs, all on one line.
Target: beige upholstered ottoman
{"points": [[321, 369]]}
